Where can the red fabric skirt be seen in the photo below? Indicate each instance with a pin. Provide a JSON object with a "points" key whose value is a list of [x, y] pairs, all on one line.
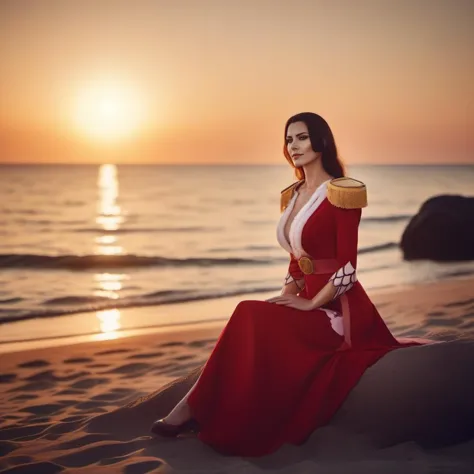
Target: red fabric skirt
{"points": [[276, 374]]}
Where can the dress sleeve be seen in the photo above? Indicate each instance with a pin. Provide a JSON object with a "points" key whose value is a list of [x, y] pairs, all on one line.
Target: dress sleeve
{"points": [[347, 229], [294, 272]]}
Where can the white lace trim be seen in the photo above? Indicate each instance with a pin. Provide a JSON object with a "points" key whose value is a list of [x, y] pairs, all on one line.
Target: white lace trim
{"points": [[344, 279], [281, 225], [296, 229], [294, 246]]}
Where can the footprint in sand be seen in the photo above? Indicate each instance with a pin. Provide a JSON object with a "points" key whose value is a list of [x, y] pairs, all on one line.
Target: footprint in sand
{"points": [[34, 363], [7, 378], [49, 376], [89, 383], [146, 355], [97, 366], [70, 391], [25, 396], [34, 387], [45, 409], [129, 369], [78, 360], [171, 344]]}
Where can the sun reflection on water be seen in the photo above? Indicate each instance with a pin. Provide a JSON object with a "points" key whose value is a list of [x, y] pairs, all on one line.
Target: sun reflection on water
{"points": [[109, 212], [109, 284], [109, 324], [109, 219]]}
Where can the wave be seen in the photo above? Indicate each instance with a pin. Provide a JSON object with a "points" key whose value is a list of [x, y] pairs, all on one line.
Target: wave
{"points": [[392, 218], [103, 303], [11, 300], [378, 247], [101, 262], [88, 262], [147, 230]]}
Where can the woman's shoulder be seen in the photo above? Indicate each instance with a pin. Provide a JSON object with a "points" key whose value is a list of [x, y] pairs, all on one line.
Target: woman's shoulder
{"points": [[287, 194], [347, 193]]}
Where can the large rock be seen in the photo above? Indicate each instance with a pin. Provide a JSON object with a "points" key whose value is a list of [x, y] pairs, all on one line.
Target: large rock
{"points": [[422, 394], [442, 230]]}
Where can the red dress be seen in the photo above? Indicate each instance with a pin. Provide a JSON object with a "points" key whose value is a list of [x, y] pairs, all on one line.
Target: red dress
{"points": [[278, 373]]}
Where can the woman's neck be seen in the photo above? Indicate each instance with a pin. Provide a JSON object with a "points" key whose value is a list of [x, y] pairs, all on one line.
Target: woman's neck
{"points": [[315, 174]]}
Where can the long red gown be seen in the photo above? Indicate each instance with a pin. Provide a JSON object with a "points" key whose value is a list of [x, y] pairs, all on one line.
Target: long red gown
{"points": [[278, 373]]}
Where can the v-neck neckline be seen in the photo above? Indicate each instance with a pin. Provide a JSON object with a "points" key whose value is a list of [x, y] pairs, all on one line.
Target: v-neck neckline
{"points": [[305, 207]]}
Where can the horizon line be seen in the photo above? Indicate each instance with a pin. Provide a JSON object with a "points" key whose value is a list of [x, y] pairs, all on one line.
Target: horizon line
{"points": [[62, 163]]}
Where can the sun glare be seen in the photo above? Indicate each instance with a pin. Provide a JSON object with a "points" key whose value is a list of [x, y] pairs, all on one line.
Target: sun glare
{"points": [[108, 112]]}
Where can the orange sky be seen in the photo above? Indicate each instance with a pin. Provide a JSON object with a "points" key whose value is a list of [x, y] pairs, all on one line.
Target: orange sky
{"points": [[213, 81]]}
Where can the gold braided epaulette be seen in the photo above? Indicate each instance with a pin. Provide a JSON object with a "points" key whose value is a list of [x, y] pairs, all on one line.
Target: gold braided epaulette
{"points": [[287, 194], [347, 193]]}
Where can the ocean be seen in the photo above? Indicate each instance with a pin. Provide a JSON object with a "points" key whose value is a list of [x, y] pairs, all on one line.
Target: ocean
{"points": [[79, 238]]}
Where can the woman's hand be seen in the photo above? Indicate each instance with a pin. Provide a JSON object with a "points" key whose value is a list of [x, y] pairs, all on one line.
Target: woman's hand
{"points": [[293, 301]]}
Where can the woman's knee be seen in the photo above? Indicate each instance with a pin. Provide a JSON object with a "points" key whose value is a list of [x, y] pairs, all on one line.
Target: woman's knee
{"points": [[246, 309]]}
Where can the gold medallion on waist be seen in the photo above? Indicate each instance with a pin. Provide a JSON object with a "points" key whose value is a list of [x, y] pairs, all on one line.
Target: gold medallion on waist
{"points": [[306, 265]]}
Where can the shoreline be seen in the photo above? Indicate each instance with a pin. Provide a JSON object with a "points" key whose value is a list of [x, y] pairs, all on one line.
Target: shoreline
{"points": [[136, 320]]}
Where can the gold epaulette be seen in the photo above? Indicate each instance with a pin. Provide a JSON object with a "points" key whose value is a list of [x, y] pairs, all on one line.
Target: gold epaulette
{"points": [[287, 194], [347, 193]]}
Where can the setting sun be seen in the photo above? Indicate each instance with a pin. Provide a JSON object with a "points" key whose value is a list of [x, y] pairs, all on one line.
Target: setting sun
{"points": [[108, 111]]}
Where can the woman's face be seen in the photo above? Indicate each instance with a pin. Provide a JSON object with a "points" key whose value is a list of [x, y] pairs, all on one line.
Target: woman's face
{"points": [[298, 145]]}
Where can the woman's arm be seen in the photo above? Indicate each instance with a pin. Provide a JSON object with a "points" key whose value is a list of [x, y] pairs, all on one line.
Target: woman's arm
{"points": [[293, 287], [294, 280], [347, 229]]}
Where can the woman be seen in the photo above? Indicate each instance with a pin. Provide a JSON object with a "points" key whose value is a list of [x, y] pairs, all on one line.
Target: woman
{"points": [[281, 368]]}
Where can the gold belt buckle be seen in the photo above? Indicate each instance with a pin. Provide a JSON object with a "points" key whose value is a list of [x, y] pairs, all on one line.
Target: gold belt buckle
{"points": [[306, 265]]}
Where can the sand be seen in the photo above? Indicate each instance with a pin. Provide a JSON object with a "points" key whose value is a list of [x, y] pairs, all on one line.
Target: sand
{"points": [[87, 407]]}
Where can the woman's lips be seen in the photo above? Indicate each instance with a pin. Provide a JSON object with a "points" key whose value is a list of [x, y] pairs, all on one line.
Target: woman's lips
{"points": [[295, 157]]}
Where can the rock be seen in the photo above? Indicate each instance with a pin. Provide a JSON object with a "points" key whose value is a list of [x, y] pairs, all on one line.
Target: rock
{"points": [[442, 230], [422, 394]]}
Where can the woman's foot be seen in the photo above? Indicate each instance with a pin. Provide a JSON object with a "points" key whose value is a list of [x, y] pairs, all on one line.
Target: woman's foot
{"points": [[164, 428]]}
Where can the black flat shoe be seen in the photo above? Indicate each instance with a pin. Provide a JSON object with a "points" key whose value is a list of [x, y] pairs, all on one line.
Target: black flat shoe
{"points": [[161, 428]]}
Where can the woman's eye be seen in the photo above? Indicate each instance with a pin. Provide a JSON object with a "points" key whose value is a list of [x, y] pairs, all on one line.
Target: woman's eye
{"points": [[303, 137]]}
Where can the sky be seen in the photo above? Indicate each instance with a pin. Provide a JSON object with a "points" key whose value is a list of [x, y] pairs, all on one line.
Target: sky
{"points": [[208, 81]]}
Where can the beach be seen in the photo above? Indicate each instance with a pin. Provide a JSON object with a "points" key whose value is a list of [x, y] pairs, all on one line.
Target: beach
{"points": [[86, 407], [164, 186]]}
